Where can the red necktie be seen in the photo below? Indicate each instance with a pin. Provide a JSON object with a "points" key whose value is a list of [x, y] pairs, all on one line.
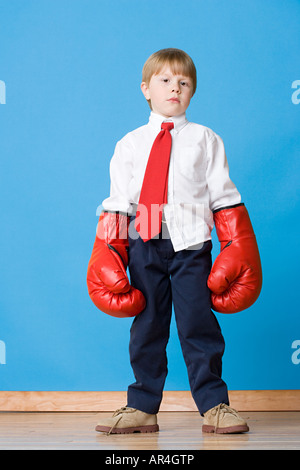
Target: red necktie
{"points": [[155, 185]]}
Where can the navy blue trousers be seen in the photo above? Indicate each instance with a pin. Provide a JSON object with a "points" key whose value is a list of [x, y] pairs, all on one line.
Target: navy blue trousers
{"points": [[169, 278]]}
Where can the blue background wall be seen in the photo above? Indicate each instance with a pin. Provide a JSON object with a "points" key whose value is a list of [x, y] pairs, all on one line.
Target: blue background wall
{"points": [[71, 71]]}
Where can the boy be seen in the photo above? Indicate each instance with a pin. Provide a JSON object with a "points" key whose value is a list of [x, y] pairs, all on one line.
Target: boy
{"points": [[169, 184]]}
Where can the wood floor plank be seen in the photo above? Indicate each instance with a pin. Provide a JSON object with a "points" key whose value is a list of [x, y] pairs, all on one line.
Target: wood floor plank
{"points": [[178, 431]]}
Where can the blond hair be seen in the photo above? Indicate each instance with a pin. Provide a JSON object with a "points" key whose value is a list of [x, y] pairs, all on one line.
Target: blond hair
{"points": [[179, 61]]}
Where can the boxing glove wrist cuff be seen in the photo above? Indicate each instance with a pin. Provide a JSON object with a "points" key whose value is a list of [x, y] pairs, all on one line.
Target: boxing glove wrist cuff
{"points": [[231, 223], [112, 229], [228, 207]]}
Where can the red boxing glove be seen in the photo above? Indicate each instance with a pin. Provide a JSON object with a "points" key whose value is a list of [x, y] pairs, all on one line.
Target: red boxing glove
{"points": [[107, 281], [236, 276]]}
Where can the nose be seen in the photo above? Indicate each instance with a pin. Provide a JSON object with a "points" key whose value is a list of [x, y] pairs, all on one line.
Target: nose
{"points": [[175, 87]]}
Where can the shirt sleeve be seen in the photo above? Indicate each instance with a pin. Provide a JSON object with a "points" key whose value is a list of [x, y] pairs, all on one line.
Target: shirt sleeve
{"points": [[222, 191], [120, 177]]}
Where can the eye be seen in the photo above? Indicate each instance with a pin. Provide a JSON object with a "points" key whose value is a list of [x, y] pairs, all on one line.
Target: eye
{"points": [[165, 80], [185, 83]]}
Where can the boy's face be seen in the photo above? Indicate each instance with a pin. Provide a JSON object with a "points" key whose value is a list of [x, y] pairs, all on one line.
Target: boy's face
{"points": [[170, 94]]}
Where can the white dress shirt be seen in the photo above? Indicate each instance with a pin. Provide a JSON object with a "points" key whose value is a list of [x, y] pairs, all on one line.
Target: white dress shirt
{"points": [[198, 181]]}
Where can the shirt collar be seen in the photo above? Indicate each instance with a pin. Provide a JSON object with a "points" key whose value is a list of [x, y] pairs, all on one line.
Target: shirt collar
{"points": [[156, 121]]}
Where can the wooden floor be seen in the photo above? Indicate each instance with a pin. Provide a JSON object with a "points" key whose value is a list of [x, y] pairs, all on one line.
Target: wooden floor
{"points": [[178, 431]]}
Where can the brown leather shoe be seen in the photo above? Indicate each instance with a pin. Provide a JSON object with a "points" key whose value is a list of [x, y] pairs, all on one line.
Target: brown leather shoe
{"points": [[128, 420], [223, 420]]}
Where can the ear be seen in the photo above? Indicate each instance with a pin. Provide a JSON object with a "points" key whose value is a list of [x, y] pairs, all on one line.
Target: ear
{"points": [[145, 90]]}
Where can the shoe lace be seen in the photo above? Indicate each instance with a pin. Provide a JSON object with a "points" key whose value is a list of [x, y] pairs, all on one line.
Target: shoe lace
{"points": [[124, 409], [120, 411], [222, 409]]}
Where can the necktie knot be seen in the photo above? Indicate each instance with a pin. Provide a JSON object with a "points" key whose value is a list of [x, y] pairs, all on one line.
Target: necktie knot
{"points": [[167, 126]]}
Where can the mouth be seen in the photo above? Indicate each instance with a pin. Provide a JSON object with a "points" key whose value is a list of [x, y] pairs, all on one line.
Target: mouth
{"points": [[174, 100]]}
